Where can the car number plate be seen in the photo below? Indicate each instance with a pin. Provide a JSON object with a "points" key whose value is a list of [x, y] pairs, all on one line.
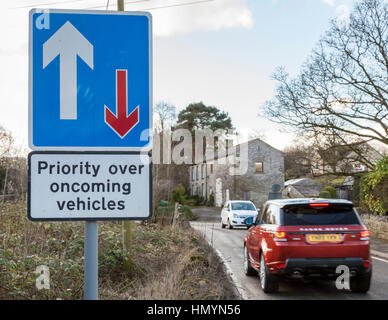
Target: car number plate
{"points": [[323, 238]]}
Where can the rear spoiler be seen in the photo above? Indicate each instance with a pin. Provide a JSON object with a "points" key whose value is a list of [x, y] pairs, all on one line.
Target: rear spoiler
{"points": [[320, 204]]}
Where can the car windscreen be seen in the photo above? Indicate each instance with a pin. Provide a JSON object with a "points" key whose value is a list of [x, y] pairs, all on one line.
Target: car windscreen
{"points": [[308, 216], [243, 206]]}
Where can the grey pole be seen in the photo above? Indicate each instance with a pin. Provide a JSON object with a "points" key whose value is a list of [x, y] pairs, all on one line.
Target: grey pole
{"points": [[91, 261]]}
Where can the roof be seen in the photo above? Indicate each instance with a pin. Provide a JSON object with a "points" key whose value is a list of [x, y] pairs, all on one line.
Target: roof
{"points": [[283, 202], [295, 181], [305, 186], [302, 181], [348, 181]]}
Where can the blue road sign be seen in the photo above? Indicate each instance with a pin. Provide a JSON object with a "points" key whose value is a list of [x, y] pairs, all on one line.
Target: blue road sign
{"points": [[90, 78]]}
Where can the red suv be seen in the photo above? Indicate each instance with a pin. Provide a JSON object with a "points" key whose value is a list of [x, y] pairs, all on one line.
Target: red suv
{"points": [[306, 238]]}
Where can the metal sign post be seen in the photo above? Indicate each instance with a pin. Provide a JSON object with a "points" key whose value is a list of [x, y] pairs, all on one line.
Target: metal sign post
{"points": [[91, 261]]}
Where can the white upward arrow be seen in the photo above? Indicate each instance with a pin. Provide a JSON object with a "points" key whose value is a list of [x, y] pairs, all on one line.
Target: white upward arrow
{"points": [[67, 42]]}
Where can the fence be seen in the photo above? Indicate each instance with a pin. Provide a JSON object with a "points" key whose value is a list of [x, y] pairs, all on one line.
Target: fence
{"points": [[168, 215], [9, 197]]}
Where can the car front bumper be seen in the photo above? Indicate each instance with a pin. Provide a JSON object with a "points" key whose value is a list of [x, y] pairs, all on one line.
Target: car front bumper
{"points": [[239, 222]]}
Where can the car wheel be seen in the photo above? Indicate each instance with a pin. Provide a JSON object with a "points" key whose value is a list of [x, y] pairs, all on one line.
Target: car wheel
{"points": [[248, 270], [222, 225], [361, 283], [268, 282], [229, 225]]}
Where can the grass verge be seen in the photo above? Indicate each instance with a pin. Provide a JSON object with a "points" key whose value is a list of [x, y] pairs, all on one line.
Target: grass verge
{"points": [[167, 263]]}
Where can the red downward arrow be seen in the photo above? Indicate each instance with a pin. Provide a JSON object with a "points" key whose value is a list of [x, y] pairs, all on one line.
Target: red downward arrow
{"points": [[121, 123]]}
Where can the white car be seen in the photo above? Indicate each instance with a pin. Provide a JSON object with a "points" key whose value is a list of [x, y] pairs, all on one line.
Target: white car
{"points": [[235, 212]]}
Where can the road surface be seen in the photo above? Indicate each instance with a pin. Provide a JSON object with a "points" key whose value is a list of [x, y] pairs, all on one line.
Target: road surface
{"points": [[229, 244]]}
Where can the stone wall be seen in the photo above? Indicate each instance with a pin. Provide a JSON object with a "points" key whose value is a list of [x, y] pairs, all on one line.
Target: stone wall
{"points": [[377, 225]]}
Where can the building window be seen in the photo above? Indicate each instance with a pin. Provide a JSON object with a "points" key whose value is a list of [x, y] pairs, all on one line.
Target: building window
{"points": [[211, 168], [203, 171], [196, 172], [259, 167]]}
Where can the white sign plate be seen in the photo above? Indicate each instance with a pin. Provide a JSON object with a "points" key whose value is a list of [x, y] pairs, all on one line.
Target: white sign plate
{"points": [[89, 186]]}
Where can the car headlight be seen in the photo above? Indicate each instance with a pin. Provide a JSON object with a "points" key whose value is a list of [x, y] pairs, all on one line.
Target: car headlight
{"points": [[235, 215]]}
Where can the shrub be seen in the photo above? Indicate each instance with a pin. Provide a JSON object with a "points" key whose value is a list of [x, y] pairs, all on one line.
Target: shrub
{"points": [[187, 214], [191, 202], [357, 189], [374, 187], [325, 194], [211, 199], [178, 194], [194, 200], [332, 191]]}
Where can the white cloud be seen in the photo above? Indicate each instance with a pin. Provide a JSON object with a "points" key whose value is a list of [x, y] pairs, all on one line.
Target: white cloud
{"points": [[329, 2], [342, 10], [343, 15], [14, 69], [202, 17]]}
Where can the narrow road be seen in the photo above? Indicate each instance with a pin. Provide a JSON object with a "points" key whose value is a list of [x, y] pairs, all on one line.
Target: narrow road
{"points": [[229, 243]]}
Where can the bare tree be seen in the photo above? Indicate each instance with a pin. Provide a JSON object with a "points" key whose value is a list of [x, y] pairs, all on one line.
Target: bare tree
{"points": [[341, 93], [166, 115], [298, 160], [6, 142], [163, 177], [6, 148]]}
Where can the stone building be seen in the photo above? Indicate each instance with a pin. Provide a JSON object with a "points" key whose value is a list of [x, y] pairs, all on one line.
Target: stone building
{"points": [[263, 166]]}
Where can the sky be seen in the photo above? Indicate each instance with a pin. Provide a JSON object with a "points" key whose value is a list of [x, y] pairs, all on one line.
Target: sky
{"points": [[220, 52]]}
